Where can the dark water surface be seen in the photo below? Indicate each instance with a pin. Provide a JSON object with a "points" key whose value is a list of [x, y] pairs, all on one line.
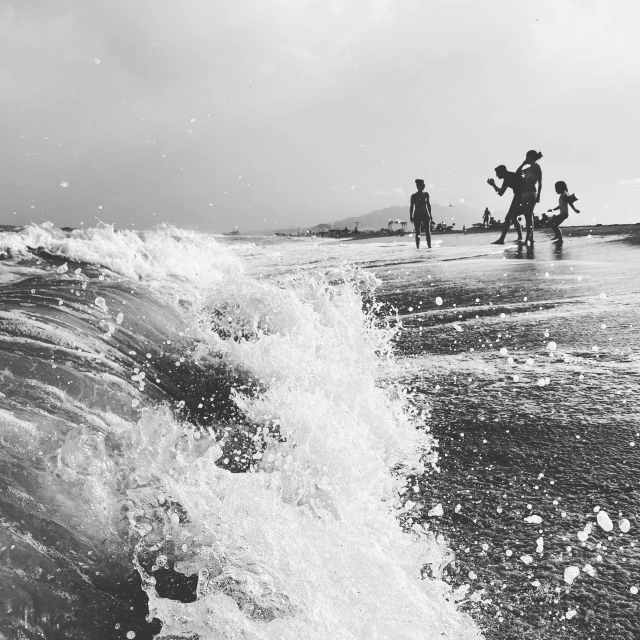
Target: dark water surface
{"points": [[538, 431]]}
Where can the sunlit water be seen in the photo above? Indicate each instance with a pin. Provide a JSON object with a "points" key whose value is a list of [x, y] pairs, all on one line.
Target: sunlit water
{"points": [[207, 439], [236, 437]]}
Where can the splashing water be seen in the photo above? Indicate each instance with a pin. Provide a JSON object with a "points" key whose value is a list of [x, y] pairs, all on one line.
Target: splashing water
{"points": [[279, 514]]}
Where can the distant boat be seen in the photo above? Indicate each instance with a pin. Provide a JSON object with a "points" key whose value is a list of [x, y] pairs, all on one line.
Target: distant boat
{"points": [[235, 232]]}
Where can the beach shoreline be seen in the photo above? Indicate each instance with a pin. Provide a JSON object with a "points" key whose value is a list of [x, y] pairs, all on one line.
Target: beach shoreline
{"points": [[577, 231]]}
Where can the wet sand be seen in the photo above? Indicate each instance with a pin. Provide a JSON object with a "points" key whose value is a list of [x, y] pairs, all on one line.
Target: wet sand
{"points": [[547, 428], [629, 230]]}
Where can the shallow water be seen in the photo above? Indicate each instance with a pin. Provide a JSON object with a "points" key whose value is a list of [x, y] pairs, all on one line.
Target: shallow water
{"points": [[253, 482], [533, 431]]}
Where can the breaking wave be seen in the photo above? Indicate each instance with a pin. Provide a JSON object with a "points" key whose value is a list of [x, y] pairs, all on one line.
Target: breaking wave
{"points": [[227, 444]]}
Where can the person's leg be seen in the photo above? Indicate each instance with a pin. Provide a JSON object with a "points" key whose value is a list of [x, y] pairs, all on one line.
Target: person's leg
{"points": [[516, 224], [505, 228], [427, 231], [418, 223], [560, 220], [527, 209]]}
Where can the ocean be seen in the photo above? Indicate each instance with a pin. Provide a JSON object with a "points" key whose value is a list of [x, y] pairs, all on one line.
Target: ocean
{"points": [[244, 437]]}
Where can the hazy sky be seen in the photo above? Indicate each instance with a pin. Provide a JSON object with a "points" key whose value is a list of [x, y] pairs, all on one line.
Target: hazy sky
{"points": [[264, 113]]}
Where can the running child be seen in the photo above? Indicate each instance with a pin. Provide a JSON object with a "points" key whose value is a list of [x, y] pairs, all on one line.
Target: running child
{"points": [[564, 202]]}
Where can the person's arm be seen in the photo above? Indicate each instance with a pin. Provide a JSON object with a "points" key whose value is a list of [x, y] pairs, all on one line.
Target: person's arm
{"points": [[428, 203], [539, 174], [571, 205], [411, 211], [554, 209], [492, 182], [503, 188]]}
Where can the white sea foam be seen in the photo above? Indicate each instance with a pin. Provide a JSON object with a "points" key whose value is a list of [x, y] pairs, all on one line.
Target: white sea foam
{"points": [[308, 545]]}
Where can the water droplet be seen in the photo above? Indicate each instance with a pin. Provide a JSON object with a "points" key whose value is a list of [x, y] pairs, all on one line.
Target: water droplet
{"points": [[604, 521], [97, 61], [438, 300], [64, 183], [552, 346]]}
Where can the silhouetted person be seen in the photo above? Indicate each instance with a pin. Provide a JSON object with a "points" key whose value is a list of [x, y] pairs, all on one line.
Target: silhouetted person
{"points": [[485, 218], [511, 181], [564, 202], [531, 189], [420, 213]]}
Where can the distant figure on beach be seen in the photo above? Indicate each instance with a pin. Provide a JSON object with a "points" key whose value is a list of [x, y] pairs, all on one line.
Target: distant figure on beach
{"points": [[564, 202], [485, 217], [420, 213], [511, 181], [531, 189]]}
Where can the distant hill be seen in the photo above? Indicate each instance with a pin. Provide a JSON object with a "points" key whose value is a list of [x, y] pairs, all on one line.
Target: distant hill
{"points": [[458, 214], [378, 219]]}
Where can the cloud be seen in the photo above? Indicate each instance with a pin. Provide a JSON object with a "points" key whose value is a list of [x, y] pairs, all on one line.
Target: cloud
{"points": [[633, 181], [394, 191]]}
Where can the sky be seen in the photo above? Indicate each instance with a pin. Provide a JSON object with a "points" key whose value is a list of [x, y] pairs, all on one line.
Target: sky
{"points": [[209, 114]]}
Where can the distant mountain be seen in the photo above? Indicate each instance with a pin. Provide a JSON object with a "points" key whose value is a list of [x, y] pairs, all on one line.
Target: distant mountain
{"points": [[378, 219], [458, 214]]}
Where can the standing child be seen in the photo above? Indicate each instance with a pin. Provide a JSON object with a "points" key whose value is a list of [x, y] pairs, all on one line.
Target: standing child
{"points": [[564, 202]]}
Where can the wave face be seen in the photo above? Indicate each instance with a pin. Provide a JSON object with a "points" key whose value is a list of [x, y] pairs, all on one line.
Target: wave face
{"points": [[195, 451]]}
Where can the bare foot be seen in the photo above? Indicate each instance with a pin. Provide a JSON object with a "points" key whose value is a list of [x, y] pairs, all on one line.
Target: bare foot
{"points": [[498, 242]]}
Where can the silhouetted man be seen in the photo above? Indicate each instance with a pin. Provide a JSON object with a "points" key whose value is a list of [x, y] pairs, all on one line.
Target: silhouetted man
{"points": [[511, 181], [420, 213], [485, 217]]}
